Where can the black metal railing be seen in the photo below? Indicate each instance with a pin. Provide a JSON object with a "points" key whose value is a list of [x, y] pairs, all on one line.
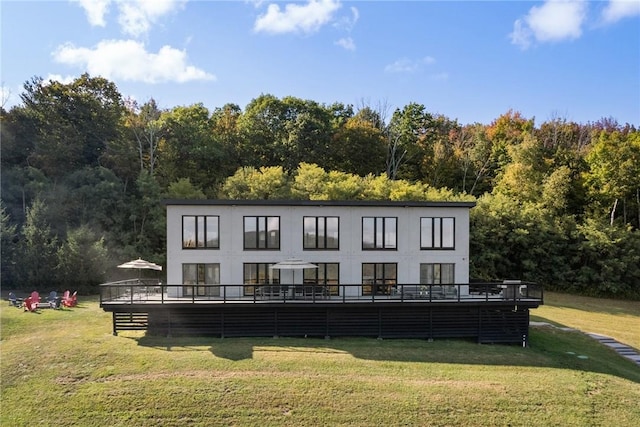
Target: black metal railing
{"points": [[146, 291]]}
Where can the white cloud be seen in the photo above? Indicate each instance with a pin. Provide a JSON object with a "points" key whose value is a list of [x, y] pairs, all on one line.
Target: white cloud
{"points": [[405, 65], [555, 20], [135, 16], [128, 60], [619, 9], [346, 43], [65, 80], [95, 10], [305, 18], [348, 22]]}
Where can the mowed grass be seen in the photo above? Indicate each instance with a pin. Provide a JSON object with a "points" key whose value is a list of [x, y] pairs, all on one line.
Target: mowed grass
{"points": [[65, 368], [619, 319]]}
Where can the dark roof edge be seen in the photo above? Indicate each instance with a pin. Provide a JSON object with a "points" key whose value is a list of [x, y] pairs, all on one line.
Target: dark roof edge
{"points": [[375, 203]]}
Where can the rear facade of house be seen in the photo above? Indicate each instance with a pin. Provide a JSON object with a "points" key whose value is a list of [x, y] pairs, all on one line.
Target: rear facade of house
{"points": [[381, 269]]}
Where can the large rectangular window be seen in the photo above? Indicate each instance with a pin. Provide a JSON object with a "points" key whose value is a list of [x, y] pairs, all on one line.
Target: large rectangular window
{"points": [[379, 233], [437, 274], [327, 276], [320, 232], [200, 232], [262, 232], [437, 233], [379, 278], [259, 274], [194, 276]]}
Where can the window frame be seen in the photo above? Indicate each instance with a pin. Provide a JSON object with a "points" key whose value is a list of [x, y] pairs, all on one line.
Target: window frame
{"points": [[320, 227], [438, 266], [380, 232], [380, 284], [436, 232], [201, 229], [311, 276], [271, 276], [266, 222], [201, 279]]}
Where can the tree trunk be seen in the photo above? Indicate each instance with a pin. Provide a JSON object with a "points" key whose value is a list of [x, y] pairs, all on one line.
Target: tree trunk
{"points": [[638, 205], [613, 212]]}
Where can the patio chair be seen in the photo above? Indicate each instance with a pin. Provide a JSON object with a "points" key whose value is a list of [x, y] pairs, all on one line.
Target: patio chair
{"points": [[54, 300], [70, 301], [31, 302], [14, 300]]}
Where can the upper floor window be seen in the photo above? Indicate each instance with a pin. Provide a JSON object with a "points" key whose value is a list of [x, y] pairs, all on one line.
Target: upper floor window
{"points": [[200, 232], [262, 232], [437, 233], [379, 233], [320, 232]]}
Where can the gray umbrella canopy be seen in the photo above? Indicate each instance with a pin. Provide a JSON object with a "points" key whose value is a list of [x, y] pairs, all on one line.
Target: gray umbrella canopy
{"points": [[140, 264], [293, 264]]}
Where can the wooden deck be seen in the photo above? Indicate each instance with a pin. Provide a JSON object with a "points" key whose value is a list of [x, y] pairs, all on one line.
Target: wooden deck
{"points": [[491, 312]]}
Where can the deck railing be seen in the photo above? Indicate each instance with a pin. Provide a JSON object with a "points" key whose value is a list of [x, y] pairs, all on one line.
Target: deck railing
{"points": [[146, 291]]}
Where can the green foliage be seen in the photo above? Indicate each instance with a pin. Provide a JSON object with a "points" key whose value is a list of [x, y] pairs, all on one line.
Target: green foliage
{"points": [[189, 149], [522, 177], [82, 261], [512, 240], [38, 250], [259, 184], [147, 220], [184, 189], [91, 196], [73, 122], [555, 191], [343, 186], [614, 171], [8, 241], [607, 262], [357, 147], [309, 182], [20, 186]]}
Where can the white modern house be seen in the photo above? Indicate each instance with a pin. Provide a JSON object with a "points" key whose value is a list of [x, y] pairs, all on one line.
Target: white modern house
{"points": [[321, 268]]}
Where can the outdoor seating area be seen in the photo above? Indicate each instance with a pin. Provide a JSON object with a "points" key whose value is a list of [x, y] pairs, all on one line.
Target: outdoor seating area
{"points": [[292, 292], [33, 302]]}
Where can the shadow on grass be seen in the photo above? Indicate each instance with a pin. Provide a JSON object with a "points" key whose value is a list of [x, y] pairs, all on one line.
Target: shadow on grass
{"points": [[548, 347]]}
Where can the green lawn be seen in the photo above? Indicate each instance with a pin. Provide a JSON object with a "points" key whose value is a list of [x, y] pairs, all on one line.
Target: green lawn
{"points": [[617, 319], [65, 368]]}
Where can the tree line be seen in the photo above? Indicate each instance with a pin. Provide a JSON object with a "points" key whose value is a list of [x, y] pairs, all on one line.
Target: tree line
{"points": [[84, 171]]}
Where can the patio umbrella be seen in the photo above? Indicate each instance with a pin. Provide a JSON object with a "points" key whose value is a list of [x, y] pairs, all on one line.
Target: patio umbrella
{"points": [[293, 264], [140, 264]]}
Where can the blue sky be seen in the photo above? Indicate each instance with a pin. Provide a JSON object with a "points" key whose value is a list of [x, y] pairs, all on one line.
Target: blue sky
{"points": [[471, 61]]}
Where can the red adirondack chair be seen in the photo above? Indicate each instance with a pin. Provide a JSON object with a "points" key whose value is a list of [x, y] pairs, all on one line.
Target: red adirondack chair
{"points": [[70, 300], [31, 302]]}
